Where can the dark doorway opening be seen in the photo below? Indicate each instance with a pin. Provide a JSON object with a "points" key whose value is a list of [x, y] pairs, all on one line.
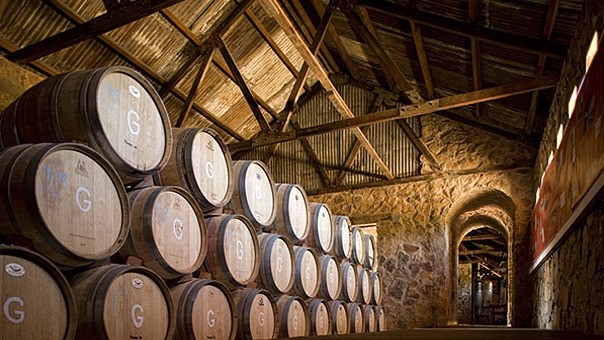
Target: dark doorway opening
{"points": [[483, 280]]}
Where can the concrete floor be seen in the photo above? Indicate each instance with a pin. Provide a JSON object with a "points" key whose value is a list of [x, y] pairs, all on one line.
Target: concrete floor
{"points": [[474, 333]]}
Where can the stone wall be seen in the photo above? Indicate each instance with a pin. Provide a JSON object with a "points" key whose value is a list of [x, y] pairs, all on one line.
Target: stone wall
{"points": [[413, 235], [464, 300], [568, 286], [14, 80]]}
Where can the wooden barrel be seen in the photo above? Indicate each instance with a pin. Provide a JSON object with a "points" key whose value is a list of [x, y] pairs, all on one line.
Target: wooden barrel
{"points": [[294, 317], [370, 318], [321, 228], [358, 246], [320, 317], [330, 274], [167, 231], [8, 129], [277, 263], [307, 277], [363, 285], [204, 310], [371, 255], [67, 199], [376, 288], [36, 299], [357, 324], [257, 314], [342, 247], [339, 317], [254, 193], [292, 218], [381, 318], [200, 162], [113, 109], [123, 302], [348, 275], [233, 252]]}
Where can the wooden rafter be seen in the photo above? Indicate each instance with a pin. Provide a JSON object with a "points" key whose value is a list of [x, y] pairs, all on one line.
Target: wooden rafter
{"points": [[307, 29], [548, 29], [494, 37], [203, 69], [432, 106], [332, 32], [126, 13], [419, 144], [266, 35], [323, 77], [211, 40], [396, 79], [356, 148], [418, 38], [219, 64], [476, 59], [241, 82], [296, 91]]}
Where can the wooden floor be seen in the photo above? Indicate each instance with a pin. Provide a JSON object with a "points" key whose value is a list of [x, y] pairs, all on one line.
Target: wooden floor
{"points": [[491, 333]]}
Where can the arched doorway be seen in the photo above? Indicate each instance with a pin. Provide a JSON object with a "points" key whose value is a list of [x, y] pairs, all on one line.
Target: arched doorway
{"points": [[477, 214], [482, 278]]}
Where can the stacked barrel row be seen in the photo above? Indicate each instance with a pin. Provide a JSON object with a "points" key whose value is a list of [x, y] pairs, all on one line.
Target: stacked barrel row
{"points": [[131, 212]]}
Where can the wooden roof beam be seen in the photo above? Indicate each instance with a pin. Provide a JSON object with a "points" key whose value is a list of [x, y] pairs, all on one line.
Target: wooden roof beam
{"points": [[548, 29], [247, 93], [419, 144], [396, 79], [337, 40], [356, 148], [473, 7], [203, 70], [266, 36], [323, 78], [211, 40], [494, 37], [126, 13], [292, 100], [314, 158], [418, 38], [432, 106]]}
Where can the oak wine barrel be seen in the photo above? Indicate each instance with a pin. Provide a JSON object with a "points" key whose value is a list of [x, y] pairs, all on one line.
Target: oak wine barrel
{"points": [[201, 163], [277, 263], [348, 276], [294, 317], [113, 109], [167, 231], [357, 321], [342, 247], [376, 288], [204, 310], [381, 318], [233, 250], [371, 256], [358, 246], [321, 235], [330, 274], [36, 298], [257, 314], [369, 318], [320, 317], [254, 193], [307, 277], [66, 198], [339, 317], [123, 302], [364, 285], [8, 129], [292, 218]]}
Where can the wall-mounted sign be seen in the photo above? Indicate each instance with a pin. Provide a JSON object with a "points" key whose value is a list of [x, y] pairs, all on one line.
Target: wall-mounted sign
{"points": [[575, 176]]}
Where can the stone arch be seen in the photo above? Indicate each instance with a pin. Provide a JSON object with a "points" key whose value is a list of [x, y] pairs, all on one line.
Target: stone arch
{"points": [[479, 208]]}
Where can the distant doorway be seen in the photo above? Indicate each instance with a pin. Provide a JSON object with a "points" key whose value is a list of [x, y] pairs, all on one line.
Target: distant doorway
{"points": [[482, 278]]}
